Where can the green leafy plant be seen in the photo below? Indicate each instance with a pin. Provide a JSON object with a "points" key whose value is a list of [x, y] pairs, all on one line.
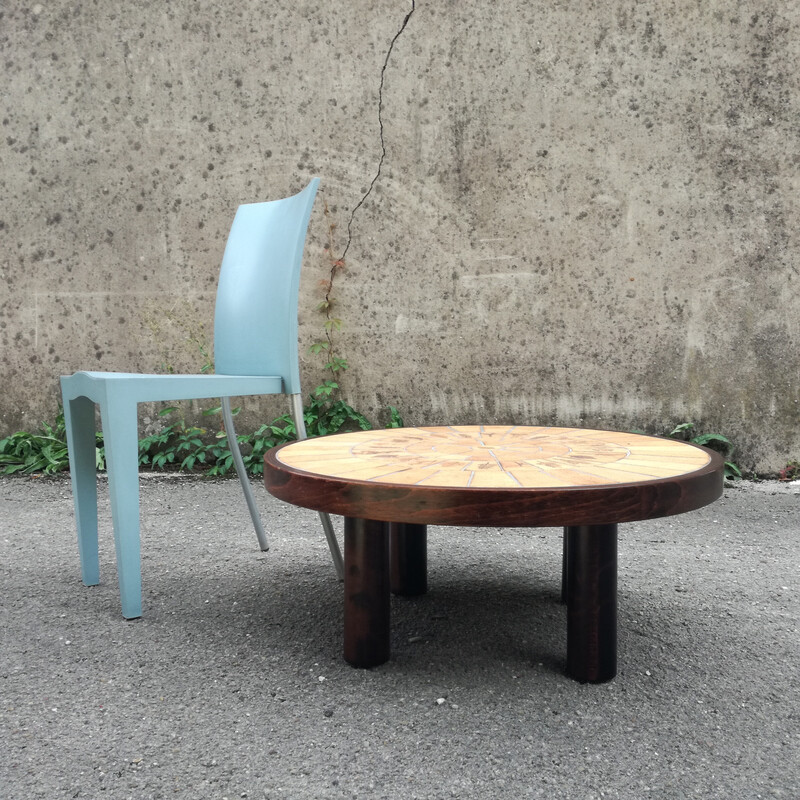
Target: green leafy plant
{"points": [[395, 420], [331, 323], [324, 414], [155, 450], [44, 451], [190, 448], [715, 441], [187, 447]]}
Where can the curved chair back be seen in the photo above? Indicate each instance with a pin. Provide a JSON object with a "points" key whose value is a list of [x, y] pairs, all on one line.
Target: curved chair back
{"points": [[255, 321]]}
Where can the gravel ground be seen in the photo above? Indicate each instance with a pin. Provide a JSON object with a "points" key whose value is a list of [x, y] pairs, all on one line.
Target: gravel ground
{"points": [[232, 685]]}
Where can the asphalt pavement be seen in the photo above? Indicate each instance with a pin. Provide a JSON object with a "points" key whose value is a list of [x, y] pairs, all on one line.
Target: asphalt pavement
{"points": [[232, 684]]}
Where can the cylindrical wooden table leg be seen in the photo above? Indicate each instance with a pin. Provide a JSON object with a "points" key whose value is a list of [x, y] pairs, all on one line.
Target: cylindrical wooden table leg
{"points": [[409, 558], [592, 602], [564, 576], [366, 592]]}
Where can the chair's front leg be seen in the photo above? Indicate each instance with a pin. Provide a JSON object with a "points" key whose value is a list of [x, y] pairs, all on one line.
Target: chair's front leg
{"points": [[82, 444], [120, 434]]}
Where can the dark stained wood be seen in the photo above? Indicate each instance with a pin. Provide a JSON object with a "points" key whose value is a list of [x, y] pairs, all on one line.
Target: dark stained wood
{"points": [[390, 485], [506, 507], [366, 593], [592, 603], [409, 558]]}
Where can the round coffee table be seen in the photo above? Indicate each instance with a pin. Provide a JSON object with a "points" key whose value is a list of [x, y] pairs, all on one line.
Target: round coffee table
{"points": [[390, 484]]}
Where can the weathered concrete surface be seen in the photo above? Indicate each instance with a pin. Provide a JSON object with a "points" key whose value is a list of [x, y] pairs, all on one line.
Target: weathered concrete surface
{"points": [[233, 684], [584, 213]]}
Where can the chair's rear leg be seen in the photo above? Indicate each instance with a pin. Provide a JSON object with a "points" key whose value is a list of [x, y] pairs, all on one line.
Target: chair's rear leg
{"points": [[120, 433], [327, 525], [333, 544], [238, 463], [81, 444]]}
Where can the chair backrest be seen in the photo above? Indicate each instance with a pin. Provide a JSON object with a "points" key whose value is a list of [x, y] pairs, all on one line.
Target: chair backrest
{"points": [[255, 322]]}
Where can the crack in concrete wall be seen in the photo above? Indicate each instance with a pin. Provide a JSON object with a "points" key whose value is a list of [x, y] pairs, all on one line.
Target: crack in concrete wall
{"points": [[380, 126]]}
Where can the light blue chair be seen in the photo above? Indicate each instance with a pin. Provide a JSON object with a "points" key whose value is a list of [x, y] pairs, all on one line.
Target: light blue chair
{"points": [[255, 353]]}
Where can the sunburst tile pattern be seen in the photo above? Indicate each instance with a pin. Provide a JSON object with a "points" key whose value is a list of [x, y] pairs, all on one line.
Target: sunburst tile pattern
{"points": [[494, 456]]}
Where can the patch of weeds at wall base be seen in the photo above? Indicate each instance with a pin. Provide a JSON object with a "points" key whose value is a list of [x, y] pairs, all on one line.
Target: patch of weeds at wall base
{"points": [[44, 451], [190, 448], [714, 441]]}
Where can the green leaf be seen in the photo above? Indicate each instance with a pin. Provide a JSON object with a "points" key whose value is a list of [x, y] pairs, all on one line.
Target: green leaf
{"points": [[46, 450], [682, 429], [336, 364], [326, 389], [732, 472], [395, 420], [711, 438], [10, 470]]}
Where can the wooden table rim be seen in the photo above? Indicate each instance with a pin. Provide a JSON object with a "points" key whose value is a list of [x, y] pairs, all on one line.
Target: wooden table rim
{"points": [[386, 517]]}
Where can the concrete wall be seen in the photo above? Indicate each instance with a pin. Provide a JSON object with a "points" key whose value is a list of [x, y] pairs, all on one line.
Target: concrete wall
{"points": [[586, 213]]}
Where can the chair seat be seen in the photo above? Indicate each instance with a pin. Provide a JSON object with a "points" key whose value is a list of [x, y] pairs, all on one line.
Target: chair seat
{"points": [[142, 388]]}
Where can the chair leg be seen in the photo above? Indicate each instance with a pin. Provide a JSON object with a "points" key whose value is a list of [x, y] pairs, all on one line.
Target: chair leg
{"points": [[327, 525], [120, 433], [81, 444], [238, 463]]}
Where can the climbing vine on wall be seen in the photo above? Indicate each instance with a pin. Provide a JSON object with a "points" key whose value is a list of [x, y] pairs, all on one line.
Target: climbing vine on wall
{"points": [[326, 306], [334, 362]]}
